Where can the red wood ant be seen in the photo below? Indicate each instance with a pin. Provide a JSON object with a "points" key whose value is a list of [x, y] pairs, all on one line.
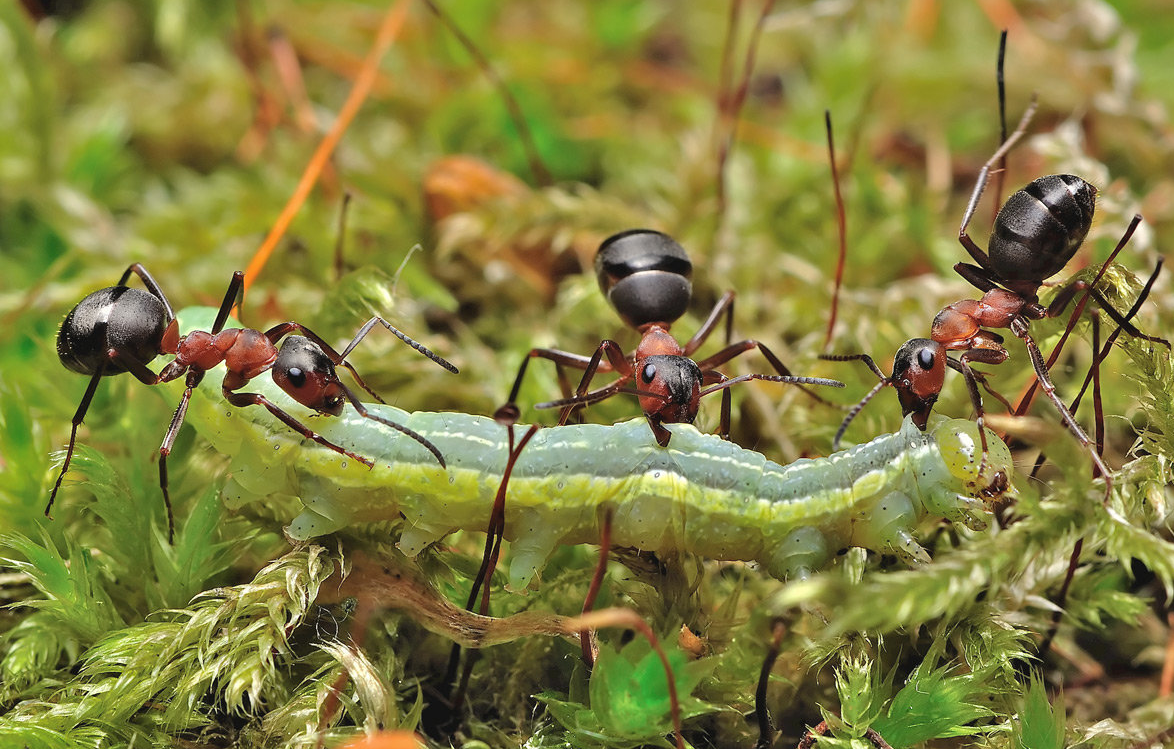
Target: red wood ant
{"points": [[647, 277], [121, 329], [1035, 234]]}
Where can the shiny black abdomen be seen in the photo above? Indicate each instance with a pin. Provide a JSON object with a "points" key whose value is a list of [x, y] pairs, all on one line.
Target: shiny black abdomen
{"points": [[646, 275], [1039, 228], [118, 318]]}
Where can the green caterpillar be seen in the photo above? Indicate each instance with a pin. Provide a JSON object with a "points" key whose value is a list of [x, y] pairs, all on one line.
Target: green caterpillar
{"points": [[700, 494]]}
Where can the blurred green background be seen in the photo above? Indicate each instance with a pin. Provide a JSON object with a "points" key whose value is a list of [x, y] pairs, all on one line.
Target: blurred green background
{"points": [[171, 133]]}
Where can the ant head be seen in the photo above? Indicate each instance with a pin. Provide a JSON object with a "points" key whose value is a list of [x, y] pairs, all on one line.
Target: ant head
{"points": [[118, 318], [306, 373], [919, 368], [669, 387], [1039, 229], [645, 275]]}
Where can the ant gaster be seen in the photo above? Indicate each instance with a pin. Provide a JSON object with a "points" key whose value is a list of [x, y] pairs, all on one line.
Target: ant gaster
{"points": [[647, 277], [121, 329]]}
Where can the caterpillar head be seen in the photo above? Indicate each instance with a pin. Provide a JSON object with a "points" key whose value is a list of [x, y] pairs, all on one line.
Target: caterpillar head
{"points": [[961, 450]]}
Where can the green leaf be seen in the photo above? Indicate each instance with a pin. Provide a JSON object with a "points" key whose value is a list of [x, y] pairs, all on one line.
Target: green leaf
{"points": [[933, 705], [1040, 724]]}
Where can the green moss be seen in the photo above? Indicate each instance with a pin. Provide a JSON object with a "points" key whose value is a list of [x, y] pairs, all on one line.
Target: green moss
{"points": [[133, 133]]}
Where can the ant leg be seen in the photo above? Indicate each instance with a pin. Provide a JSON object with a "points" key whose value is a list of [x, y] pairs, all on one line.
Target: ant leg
{"points": [[242, 400], [139, 370], [765, 728], [1094, 375], [358, 405], [135, 367], [981, 379], [493, 538], [587, 636], [975, 276], [1000, 84], [724, 306], [985, 356], [150, 283], [1069, 291], [1102, 354], [193, 380], [977, 253], [1041, 373], [78, 416], [234, 294], [509, 412], [617, 362], [1065, 295]]}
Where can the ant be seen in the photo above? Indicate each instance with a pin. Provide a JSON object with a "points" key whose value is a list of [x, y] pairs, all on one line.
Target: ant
{"points": [[647, 277], [121, 329], [1036, 232]]}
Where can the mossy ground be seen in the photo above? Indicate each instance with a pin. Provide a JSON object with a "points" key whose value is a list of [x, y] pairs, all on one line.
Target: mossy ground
{"points": [[161, 132]]}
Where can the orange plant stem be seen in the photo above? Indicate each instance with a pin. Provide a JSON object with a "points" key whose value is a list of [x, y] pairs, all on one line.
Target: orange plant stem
{"points": [[388, 31]]}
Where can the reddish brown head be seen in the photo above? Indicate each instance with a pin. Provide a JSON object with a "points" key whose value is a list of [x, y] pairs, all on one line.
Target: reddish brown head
{"points": [[919, 369]]}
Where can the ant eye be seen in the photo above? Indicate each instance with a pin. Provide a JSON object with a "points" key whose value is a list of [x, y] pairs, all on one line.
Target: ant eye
{"points": [[925, 359], [296, 376], [649, 373]]}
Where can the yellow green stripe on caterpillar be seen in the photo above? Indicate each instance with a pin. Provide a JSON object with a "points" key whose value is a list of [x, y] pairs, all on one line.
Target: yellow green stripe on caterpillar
{"points": [[700, 494]]}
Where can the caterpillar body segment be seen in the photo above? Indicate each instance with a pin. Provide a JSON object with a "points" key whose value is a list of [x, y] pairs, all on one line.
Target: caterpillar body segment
{"points": [[699, 494]]}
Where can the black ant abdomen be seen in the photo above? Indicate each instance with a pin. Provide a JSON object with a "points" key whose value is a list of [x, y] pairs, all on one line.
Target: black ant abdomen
{"points": [[1040, 228], [127, 321], [646, 275]]}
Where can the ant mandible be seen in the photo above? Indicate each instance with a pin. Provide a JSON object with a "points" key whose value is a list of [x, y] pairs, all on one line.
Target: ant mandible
{"points": [[647, 277], [121, 329]]}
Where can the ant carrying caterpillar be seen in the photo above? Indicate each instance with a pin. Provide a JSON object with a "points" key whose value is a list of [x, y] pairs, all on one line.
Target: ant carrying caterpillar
{"points": [[700, 494]]}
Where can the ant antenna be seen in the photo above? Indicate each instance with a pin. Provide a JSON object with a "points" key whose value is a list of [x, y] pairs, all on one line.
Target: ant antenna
{"points": [[885, 381]]}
